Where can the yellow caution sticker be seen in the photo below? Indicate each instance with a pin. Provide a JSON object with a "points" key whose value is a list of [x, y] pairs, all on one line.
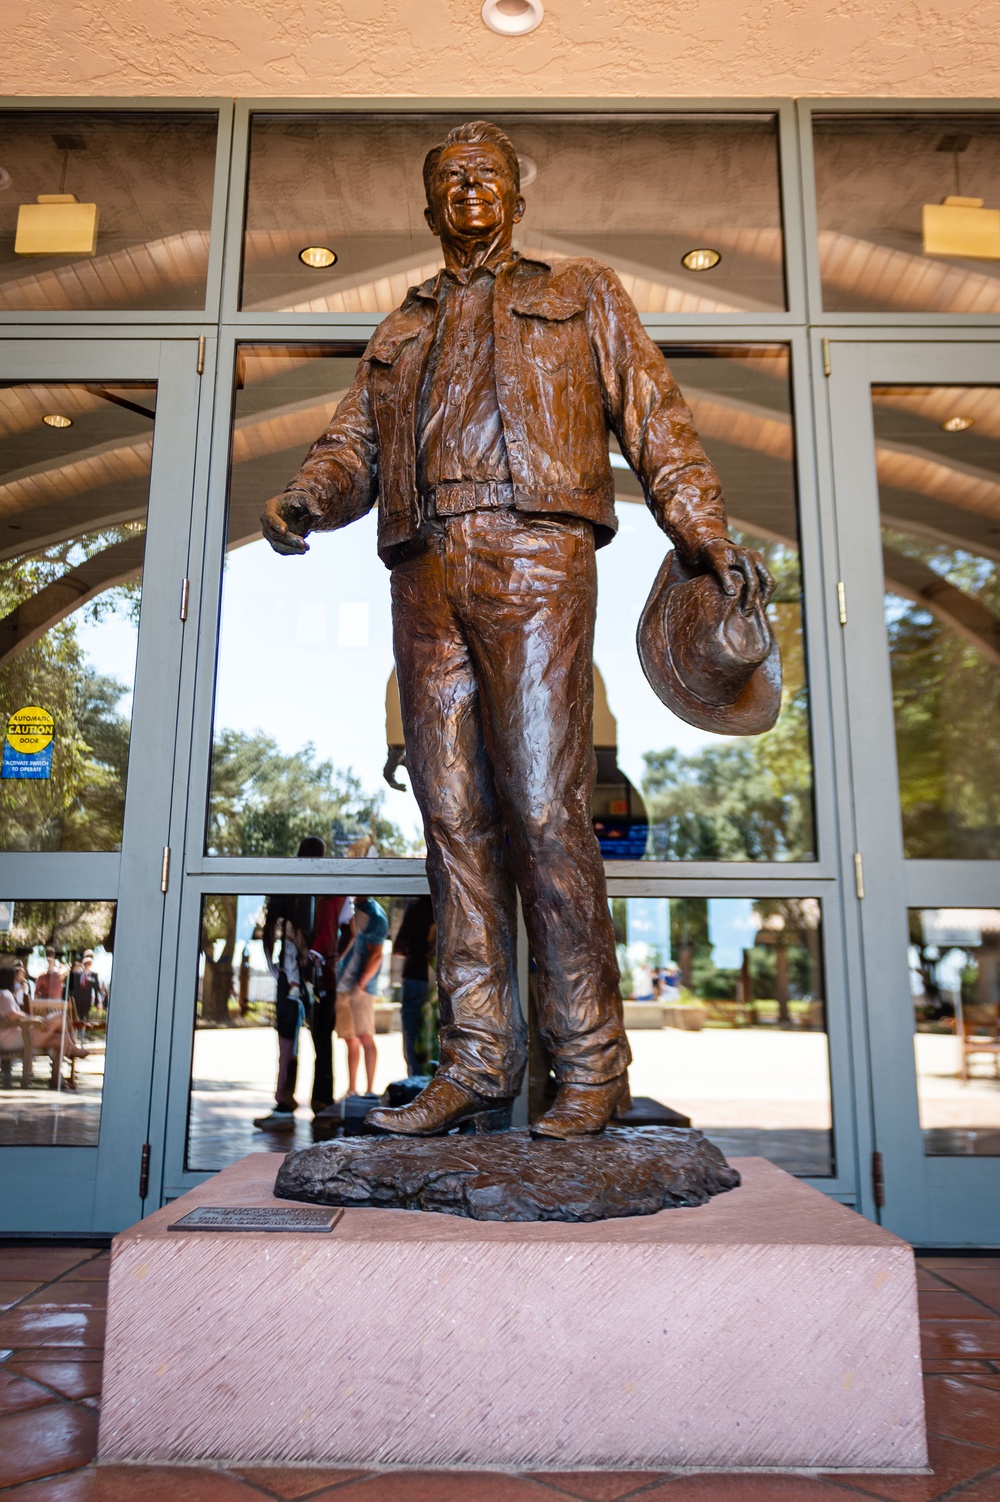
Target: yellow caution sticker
{"points": [[30, 729]]}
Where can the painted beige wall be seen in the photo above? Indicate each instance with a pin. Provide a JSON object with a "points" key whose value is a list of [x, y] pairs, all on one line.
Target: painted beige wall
{"points": [[440, 48]]}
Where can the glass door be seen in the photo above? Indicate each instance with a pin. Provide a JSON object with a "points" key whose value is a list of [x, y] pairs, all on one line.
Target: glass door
{"points": [[96, 475], [916, 444]]}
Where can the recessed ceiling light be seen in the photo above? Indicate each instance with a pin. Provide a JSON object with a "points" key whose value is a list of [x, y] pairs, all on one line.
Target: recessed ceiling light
{"points": [[512, 18], [957, 424], [57, 420], [701, 260], [318, 256]]}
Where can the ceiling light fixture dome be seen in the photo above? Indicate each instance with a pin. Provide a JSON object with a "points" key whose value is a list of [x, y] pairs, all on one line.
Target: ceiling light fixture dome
{"points": [[318, 257], [57, 420], [957, 424], [702, 259], [512, 18]]}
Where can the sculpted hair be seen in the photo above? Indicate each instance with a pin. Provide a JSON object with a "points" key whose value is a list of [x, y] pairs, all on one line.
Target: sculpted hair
{"points": [[472, 134]]}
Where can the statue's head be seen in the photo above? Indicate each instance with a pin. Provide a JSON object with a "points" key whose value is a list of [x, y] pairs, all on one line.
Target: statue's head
{"points": [[473, 180]]}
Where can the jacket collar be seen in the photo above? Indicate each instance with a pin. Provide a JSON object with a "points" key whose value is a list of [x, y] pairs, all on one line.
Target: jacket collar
{"points": [[430, 290]]}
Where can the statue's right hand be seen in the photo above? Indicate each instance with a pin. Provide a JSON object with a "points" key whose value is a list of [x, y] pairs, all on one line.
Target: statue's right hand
{"points": [[286, 522]]}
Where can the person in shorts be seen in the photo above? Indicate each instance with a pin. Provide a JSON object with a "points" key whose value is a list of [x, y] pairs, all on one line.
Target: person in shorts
{"points": [[357, 984]]}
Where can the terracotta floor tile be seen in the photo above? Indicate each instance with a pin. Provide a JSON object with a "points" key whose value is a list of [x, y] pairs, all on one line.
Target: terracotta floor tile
{"points": [[598, 1486], [150, 1483], [55, 1353], [74, 1379], [944, 1303], [441, 1486], [986, 1379], [744, 1488], [963, 1410], [986, 1490], [16, 1393], [927, 1279], [45, 1441], [952, 1337], [52, 1327], [984, 1285], [951, 1462], [935, 1366], [80, 1293], [297, 1481], [41, 1263], [97, 1266], [13, 1290], [981, 1262]]}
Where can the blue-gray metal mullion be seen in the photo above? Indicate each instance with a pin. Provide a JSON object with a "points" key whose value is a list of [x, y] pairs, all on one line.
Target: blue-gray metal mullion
{"points": [[793, 240], [206, 602], [60, 876], [851, 955], [220, 215], [169, 1017], [239, 176], [878, 836], [171, 1158], [807, 208], [959, 883]]}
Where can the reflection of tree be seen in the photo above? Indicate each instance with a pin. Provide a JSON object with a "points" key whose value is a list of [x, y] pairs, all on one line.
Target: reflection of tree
{"points": [[946, 699], [746, 799], [264, 802], [67, 926]]}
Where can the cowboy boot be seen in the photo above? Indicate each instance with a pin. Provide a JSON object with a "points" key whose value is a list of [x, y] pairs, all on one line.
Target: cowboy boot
{"points": [[584, 1110], [443, 1104]]}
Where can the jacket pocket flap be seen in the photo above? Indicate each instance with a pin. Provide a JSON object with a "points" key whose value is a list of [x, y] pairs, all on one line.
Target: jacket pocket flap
{"points": [[549, 305], [387, 343]]}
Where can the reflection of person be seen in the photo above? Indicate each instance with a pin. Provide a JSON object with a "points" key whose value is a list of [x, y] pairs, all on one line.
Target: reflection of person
{"points": [[50, 984], [46, 1032], [84, 987], [332, 916], [357, 986], [288, 922], [479, 418], [415, 944]]}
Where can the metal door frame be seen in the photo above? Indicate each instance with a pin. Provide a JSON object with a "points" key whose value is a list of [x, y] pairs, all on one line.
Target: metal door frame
{"points": [[930, 1201], [96, 1190]]}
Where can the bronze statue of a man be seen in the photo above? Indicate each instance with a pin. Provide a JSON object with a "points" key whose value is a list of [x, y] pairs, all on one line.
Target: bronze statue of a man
{"points": [[479, 418]]}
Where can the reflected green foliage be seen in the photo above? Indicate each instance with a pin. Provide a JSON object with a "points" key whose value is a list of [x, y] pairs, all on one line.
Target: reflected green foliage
{"points": [[264, 801], [70, 927], [744, 799], [946, 701], [81, 806]]}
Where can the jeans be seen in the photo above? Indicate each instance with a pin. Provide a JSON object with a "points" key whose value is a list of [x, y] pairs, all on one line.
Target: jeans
{"points": [[493, 632], [413, 998]]}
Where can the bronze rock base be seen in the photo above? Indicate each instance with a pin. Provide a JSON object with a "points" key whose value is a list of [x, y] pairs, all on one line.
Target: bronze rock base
{"points": [[512, 1176]]}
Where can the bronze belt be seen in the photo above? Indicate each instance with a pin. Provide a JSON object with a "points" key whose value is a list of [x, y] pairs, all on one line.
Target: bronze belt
{"points": [[453, 497]]}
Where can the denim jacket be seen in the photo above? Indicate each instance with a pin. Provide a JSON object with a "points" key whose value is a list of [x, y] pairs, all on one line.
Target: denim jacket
{"points": [[572, 362]]}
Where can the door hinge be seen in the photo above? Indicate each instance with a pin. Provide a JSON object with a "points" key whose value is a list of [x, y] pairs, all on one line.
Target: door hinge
{"points": [[144, 1171], [185, 596], [841, 601], [859, 875], [165, 869], [826, 357], [878, 1180], [201, 355]]}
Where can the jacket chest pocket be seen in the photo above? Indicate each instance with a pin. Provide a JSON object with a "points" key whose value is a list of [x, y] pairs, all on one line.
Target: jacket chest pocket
{"points": [[548, 328]]}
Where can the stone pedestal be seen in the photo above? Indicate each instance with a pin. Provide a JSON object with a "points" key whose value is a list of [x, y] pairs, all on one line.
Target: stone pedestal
{"points": [[769, 1328]]}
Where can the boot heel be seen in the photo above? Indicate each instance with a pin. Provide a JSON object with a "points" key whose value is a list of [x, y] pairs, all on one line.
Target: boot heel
{"points": [[624, 1105], [494, 1120]]}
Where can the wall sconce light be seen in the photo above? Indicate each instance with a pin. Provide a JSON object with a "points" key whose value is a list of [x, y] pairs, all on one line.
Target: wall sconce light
{"points": [[512, 18]]}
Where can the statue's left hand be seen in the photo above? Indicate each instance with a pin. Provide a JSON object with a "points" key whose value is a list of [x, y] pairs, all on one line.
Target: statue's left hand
{"points": [[286, 522], [738, 569]]}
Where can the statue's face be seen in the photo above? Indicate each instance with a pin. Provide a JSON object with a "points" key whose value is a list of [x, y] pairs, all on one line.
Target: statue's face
{"points": [[472, 194]]}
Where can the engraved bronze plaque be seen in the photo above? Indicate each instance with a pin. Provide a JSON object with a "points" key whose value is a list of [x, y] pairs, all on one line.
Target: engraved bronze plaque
{"points": [[258, 1218]]}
